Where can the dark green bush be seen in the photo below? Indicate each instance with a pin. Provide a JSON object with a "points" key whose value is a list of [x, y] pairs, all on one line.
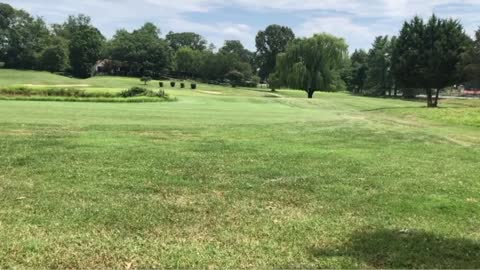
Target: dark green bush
{"points": [[193, 86], [182, 85], [172, 84], [134, 92], [160, 84]]}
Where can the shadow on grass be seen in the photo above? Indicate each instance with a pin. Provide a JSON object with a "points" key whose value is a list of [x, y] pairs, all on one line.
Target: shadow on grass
{"points": [[397, 249]]}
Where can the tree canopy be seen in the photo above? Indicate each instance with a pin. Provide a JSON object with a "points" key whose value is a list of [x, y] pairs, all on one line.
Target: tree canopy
{"points": [[428, 54], [426, 57], [312, 64], [22, 38], [186, 39], [142, 51], [271, 42], [85, 50]]}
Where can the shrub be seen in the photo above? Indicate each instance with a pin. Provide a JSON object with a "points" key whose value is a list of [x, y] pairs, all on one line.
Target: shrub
{"points": [[134, 92], [54, 92], [274, 82], [182, 85], [146, 79], [172, 84], [160, 93], [160, 84], [193, 86], [235, 77]]}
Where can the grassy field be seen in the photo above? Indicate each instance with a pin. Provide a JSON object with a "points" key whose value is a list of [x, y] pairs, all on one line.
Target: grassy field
{"points": [[237, 178]]}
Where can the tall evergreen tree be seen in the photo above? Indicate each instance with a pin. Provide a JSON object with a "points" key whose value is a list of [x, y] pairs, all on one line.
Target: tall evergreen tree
{"points": [[379, 77], [427, 55]]}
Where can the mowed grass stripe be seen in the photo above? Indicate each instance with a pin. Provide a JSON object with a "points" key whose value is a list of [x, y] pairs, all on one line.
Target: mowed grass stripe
{"points": [[238, 181]]}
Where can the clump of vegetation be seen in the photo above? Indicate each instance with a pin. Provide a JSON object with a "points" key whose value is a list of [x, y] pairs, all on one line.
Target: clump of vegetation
{"points": [[182, 85], [274, 82], [235, 77], [160, 84], [172, 84], [193, 86], [146, 79], [139, 92], [58, 92], [134, 92]]}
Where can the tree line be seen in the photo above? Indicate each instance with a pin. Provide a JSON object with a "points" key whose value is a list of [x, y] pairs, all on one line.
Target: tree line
{"points": [[76, 46], [425, 57]]}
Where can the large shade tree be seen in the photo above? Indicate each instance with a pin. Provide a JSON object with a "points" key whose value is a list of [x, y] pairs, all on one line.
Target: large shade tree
{"points": [[427, 55], [270, 42], [142, 51], [312, 64], [186, 39], [22, 38], [85, 50], [85, 44], [54, 57], [236, 47], [189, 61]]}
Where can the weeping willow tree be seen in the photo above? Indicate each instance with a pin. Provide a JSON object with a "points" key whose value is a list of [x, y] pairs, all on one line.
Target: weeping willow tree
{"points": [[312, 64]]}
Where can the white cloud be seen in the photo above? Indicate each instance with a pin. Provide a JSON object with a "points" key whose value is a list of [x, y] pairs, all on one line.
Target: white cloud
{"points": [[341, 26]]}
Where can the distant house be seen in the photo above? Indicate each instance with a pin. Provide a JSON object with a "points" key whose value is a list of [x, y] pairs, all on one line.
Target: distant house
{"points": [[471, 88], [100, 66]]}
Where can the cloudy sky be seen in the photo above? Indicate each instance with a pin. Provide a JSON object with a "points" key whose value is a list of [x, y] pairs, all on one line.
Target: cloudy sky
{"points": [[358, 21]]}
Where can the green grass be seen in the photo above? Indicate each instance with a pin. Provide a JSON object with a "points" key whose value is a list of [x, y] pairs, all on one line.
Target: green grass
{"points": [[236, 178]]}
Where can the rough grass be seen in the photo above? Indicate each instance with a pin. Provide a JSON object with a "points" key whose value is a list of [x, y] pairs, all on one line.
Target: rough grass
{"points": [[238, 180]]}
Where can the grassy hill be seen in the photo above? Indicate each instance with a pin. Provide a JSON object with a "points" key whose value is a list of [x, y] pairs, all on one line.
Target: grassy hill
{"points": [[236, 178]]}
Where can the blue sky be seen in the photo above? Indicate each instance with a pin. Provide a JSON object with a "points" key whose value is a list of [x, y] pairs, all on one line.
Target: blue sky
{"points": [[358, 21]]}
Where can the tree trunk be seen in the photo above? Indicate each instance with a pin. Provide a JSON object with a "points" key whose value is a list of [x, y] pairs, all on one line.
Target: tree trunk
{"points": [[395, 91], [310, 93], [430, 103], [389, 91], [437, 94]]}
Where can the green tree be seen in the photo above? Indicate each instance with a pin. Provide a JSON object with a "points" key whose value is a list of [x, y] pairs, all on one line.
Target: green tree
{"points": [[142, 51], [188, 61], [312, 64], [274, 81], [271, 42], [379, 77], [145, 79], [359, 69], [54, 58], [186, 39], [470, 64], [22, 38], [236, 78], [215, 66], [85, 50], [237, 48], [428, 55], [71, 26]]}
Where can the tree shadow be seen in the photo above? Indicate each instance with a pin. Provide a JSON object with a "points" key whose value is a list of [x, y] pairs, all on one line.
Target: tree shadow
{"points": [[407, 249]]}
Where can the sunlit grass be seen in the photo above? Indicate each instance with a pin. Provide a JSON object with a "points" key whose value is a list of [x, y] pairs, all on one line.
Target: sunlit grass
{"points": [[236, 178]]}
